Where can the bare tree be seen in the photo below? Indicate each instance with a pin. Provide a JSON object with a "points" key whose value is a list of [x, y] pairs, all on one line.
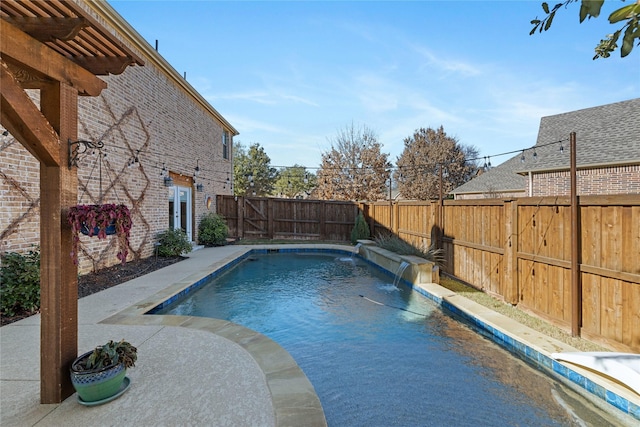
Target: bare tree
{"points": [[428, 150], [354, 168]]}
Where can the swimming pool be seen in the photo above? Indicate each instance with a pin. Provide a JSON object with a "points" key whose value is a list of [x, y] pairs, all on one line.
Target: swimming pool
{"points": [[378, 355]]}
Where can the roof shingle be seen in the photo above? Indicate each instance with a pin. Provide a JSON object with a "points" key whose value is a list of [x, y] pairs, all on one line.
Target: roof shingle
{"points": [[605, 135]]}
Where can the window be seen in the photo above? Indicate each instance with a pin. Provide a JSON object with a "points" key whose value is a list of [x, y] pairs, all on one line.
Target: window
{"points": [[225, 145]]}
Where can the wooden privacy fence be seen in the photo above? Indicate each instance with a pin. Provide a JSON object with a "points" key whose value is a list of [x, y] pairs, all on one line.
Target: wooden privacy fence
{"points": [[270, 218], [518, 250]]}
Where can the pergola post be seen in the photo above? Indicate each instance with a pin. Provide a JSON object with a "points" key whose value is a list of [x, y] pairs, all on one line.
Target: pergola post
{"points": [[62, 60], [58, 273]]}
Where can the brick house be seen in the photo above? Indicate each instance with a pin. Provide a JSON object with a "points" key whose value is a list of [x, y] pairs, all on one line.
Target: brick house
{"points": [[608, 157], [167, 153]]}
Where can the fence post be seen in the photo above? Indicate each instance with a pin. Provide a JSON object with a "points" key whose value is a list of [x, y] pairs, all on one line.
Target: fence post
{"points": [[270, 218], [510, 276], [322, 220], [371, 218], [395, 220], [576, 284], [364, 208], [437, 220], [432, 225], [240, 216]]}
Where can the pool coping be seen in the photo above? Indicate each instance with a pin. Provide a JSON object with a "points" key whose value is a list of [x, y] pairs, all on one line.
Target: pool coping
{"points": [[492, 325], [286, 381]]}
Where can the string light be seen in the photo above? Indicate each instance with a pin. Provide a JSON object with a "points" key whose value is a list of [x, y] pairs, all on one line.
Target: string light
{"points": [[134, 160], [487, 164], [227, 183]]}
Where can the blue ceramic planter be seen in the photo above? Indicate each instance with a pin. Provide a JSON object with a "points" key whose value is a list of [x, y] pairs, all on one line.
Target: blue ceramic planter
{"points": [[111, 229], [94, 386]]}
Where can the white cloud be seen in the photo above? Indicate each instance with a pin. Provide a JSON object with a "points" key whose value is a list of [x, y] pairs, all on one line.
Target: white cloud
{"points": [[441, 62], [246, 125], [259, 97], [376, 93], [297, 99]]}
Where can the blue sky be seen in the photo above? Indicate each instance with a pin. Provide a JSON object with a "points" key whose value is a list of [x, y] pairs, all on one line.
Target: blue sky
{"points": [[289, 75]]}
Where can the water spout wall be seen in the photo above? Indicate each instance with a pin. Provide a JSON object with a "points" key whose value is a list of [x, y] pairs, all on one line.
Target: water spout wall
{"points": [[418, 271], [356, 250], [401, 268]]}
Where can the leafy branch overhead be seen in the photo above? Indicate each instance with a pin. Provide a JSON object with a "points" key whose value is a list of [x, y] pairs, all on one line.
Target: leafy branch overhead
{"points": [[629, 15]]}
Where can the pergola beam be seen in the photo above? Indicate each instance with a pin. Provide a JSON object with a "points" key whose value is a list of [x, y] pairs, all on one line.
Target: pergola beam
{"points": [[104, 64], [21, 117], [45, 29], [20, 48]]}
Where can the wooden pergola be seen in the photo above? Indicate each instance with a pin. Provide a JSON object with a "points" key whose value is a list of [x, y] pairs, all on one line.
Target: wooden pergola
{"points": [[56, 47]]}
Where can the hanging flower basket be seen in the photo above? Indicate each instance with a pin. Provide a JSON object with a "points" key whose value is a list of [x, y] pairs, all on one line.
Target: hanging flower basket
{"points": [[110, 230], [101, 221]]}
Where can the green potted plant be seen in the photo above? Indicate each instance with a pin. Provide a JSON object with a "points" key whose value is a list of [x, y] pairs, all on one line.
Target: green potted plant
{"points": [[100, 221], [99, 376]]}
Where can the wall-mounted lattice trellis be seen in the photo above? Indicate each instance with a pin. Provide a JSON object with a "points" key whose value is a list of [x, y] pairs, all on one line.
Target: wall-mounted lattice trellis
{"points": [[29, 208], [120, 184], [123, 184]]}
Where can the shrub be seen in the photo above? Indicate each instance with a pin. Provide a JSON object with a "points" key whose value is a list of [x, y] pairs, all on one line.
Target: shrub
{"points": [[173, 243], [360, 229], [395, 244], [212, 231], [20, 283]]}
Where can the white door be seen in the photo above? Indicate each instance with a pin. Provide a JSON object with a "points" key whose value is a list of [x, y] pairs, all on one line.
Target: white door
{"points": [[180, 209]]}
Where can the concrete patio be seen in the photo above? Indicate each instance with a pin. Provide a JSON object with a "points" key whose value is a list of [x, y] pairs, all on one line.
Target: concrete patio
{"points": [[190, 371]]}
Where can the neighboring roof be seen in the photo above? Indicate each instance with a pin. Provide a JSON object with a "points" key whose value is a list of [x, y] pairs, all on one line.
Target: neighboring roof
{"points": [[608, 135], [502, 178]]}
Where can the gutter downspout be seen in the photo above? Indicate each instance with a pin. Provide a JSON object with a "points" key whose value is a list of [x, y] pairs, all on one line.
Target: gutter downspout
{"points": [[530, 184]]}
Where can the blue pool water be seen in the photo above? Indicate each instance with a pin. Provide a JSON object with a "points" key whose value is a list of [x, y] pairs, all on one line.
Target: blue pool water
{"points": [[378, 355]]}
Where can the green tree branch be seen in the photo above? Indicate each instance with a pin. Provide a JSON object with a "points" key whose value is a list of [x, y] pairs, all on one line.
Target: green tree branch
{"points": [[628, 15]]}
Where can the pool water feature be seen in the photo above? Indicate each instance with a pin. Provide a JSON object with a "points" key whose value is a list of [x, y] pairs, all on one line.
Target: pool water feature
{"points": [[356, 250], [401, 268], [381, 357]]}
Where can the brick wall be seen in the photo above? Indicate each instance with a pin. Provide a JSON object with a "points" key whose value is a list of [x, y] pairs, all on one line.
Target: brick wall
{"points": [[142, 114], [609, 180]]}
